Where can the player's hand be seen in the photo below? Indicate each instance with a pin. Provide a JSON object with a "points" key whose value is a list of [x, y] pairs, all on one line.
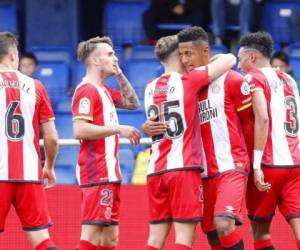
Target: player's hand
{"points": [[117, 70], [130, 133], [152, 127], [259, 181], [50, 175]]}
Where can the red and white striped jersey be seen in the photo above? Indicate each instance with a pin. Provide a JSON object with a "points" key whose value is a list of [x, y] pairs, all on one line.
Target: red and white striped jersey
{"points": [[24, 105], [173, 99], [223, 142], [98, 160], [282, 148]]}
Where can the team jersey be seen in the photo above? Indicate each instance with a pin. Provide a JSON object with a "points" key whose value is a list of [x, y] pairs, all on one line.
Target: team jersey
{"points": [[98, 159], [222, 135], [173, 99], [24, 105], [282, 148]]}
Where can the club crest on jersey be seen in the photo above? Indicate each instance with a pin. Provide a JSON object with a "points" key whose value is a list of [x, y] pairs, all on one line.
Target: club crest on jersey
{"points": [[245, 88], [207, 111], [84, 106], [248, 78]]}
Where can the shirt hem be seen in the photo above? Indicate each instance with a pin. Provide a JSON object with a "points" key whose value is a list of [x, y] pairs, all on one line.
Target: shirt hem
{"points": [[195, 168]]}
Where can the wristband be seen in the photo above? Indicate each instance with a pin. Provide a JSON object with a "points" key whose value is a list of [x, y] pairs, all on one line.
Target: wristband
{"points": [[257, 158]]}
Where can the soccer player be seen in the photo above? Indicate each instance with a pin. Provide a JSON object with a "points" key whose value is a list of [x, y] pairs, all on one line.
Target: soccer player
{"points": [[276, 156], [24, 107], [225, 151], [95, 123], [175, 164]]}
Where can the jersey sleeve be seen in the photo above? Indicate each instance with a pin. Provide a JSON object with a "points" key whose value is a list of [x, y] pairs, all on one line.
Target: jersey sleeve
{"points": [[197, 78], [45, 108], [84, 102], [255, 81], [115, 95], [239, 91]]}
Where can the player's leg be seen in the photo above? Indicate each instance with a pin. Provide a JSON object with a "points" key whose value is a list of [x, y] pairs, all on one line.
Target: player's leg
{"points": [[6, 197], [210, 187], [231, 191], [31, 206], [289, 204], [261, 207], [186, 206], [157, 235]]}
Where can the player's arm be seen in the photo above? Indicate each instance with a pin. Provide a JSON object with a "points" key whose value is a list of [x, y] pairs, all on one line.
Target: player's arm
{"points": [[219, 64], [84, 130], [129, 98], [51, 148], [261, 123]]}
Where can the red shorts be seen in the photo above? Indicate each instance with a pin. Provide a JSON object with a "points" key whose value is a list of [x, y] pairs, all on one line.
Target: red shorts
{"points": [[223, 197], [175, 196], [284, 193], [101, 205], [30, 203]]}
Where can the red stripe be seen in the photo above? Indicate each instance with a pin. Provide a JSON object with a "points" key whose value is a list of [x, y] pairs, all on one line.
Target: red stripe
{"points": [[164, 145], [15, 148]]}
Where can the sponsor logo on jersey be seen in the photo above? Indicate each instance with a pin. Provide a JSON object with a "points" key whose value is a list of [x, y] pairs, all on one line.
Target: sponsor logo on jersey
{"points": [[84, 106], [245, 88], [207, 111]]}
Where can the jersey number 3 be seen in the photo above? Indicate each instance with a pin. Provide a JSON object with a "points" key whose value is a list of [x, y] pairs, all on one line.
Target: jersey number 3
{"points": [[291, 126], [173, 118], [14, 123]]}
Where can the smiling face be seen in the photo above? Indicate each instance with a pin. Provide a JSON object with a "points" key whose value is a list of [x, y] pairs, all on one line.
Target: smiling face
{"points": [[193, 55]]}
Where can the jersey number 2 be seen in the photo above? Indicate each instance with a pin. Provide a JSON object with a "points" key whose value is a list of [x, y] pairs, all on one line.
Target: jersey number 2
{"points": [[14, 123]]}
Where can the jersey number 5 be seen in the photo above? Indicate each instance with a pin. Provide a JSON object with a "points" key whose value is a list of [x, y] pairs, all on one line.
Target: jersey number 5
{"points": [[173, 118], [292, 125], [14, 123]]}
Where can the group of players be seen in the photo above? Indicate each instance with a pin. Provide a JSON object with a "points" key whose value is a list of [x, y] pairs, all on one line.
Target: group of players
{"points": [[212, 129]]}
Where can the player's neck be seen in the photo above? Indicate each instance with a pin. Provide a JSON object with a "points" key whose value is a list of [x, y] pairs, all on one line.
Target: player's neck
{"points": [[263, 63], [94, 76], [4, 66]]}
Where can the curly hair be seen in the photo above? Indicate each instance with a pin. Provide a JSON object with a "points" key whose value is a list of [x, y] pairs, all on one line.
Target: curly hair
{"points": [[260, 41]]}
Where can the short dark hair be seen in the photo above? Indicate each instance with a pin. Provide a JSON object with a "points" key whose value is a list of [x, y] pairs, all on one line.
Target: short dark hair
{"points": [[7, 40], [166, 46], [260, 41], [85, 48], [282, 56], [194, 34], [31, 56]]}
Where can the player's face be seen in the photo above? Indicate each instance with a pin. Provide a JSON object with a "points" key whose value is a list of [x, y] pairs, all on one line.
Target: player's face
{"points": [[104, 57], [245, 63], [27, 66], [192, 55], [277, 63]]}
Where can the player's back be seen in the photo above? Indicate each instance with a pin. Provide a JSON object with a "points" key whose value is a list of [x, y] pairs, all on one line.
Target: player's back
{"points": [[24, 104], [174, 102], [283, 103]]}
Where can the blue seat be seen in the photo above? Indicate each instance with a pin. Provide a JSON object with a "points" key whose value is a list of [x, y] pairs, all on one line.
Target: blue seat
{"points": [[140, 72], [127, 163], [65, 174], [276, 19], [55, 76], [123, 21], [8, 18], [133, 118], [64, 104], [143, 52], [50, 54], [64, 125], [294, 50], [173, 26], [295, 63]]}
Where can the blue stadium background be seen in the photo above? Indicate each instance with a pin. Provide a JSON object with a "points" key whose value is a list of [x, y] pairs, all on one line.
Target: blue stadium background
{"points": [[52, 29]]}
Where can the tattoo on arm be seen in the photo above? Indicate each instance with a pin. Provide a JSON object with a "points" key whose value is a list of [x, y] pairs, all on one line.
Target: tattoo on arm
{"points": [[129, 98]]}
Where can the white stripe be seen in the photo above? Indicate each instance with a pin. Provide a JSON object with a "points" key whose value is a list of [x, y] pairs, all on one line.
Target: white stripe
{"points": [[3, 138], [77, 172], [30, 156], [175, 156], [219, 129], [153, 158], [281, 151]]}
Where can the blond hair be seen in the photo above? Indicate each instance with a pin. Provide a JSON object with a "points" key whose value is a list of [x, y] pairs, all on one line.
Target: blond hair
{"points": [[165, 46], [85, 48]]}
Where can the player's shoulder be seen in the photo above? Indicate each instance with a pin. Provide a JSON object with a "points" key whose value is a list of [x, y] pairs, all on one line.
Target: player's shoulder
{"points": [[85, 88]]}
